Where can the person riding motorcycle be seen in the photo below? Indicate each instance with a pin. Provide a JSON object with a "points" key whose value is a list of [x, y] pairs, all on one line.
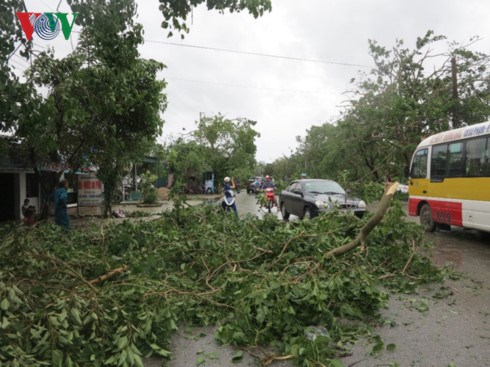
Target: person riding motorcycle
{"points": [[268, 182], [269, 187], [228, 200]]}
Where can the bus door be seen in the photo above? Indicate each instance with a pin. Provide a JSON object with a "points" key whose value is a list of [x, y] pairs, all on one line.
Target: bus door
{"points": [[446, 185], [418, 184]]}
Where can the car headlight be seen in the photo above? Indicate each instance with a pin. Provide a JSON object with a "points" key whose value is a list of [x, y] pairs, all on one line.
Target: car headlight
{"points": [[362, 204], [322, 204]]}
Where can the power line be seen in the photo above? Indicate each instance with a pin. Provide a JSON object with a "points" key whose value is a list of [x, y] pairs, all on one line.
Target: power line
{"points": [[21, 58], [257, 54], [250, 86], [18, 66], [14, 51], [292, 58], [49, 6]]}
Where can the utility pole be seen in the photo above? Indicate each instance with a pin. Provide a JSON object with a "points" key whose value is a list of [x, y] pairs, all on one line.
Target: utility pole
{"points": [[455, 97]]}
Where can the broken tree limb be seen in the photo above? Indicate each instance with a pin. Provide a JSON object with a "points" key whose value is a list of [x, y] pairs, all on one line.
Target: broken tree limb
{"points": [[108, 275], [384, 204]]}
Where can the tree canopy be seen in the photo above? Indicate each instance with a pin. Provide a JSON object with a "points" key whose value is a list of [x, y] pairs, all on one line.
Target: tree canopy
{"points": [[175, 12], [410, 94], [218, 144]]}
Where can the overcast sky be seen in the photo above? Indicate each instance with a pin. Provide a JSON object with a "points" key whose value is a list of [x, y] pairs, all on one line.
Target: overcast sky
{"points": [[285, 96]]}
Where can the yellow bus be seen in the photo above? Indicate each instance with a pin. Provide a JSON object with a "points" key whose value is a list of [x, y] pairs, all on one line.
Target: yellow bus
{"points": [[449, 181]]}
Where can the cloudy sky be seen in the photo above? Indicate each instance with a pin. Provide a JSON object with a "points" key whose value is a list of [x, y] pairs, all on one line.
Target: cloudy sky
{"points": [[315, 47]]}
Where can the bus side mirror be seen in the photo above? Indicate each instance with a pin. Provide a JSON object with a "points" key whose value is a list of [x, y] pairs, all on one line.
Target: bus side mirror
{"points": [[407, 171]]}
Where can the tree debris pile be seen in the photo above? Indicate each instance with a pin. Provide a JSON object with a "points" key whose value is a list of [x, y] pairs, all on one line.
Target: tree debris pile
{"points": [[114, 295]]}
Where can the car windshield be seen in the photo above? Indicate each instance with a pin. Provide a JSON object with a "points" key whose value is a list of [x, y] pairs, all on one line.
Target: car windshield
{"points": [[323, 187]]}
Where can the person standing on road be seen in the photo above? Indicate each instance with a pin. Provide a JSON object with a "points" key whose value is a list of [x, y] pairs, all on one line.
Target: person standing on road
{"points": [[61, 205], [25, 207]]}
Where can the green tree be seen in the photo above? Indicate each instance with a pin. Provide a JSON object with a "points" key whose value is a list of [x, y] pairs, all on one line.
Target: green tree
{"points": [[185, 159], [407, 96], [175, 12], [148, 190], [14, 94], [124, 98], [52, 128], [104, 101], [404, 98], [229, 144]]}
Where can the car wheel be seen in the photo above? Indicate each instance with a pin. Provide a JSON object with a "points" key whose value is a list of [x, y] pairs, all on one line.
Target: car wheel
{"points": [[359, 214], [285, 214], [307, 213], [426, 218]]}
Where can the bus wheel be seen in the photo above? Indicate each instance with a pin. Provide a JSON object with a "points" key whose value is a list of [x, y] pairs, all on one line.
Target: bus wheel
{"points": [[426, 218]]}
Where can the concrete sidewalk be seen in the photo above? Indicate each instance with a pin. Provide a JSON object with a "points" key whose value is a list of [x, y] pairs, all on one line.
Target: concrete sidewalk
{"points": [[82, 216]]}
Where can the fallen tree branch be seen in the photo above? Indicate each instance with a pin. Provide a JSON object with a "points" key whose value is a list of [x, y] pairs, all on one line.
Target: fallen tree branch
{"points": [[410, 258], [369, 226], [70, 269], [269, 359], [108, 275]]}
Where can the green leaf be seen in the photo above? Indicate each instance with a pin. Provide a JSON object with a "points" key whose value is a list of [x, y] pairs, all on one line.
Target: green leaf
{"points": [[336, 363], [76, 316], [237, 357], [391, 347], [5, 304], [138, 361], [5, 323], [378, 346], [57, 358]]}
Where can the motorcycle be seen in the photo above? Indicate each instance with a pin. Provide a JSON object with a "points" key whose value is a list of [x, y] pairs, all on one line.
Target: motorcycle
{"points": [[228, 202], [270, 198]]}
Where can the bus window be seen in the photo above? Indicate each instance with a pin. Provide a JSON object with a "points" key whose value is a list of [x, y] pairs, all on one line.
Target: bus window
{"points": [[485, 160], [419, 165], [455, 160], [438, 162], [475, 148]]}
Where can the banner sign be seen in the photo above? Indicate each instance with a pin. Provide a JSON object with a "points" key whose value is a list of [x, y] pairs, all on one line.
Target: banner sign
{"points": [[90, 191]]}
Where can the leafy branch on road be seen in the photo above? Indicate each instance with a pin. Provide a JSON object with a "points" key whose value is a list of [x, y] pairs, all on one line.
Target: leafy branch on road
{"points": [[265, 283]]}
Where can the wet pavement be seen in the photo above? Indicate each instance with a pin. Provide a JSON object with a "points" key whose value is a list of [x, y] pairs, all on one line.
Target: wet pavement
{"points": [[445, 325]]}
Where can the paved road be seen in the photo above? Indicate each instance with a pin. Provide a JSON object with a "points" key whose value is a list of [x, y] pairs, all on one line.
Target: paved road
{"points": [[428, 331]]}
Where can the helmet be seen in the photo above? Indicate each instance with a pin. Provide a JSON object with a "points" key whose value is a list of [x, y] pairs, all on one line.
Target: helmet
{"points": [[227, 179], [303, 175], [267, 177]]}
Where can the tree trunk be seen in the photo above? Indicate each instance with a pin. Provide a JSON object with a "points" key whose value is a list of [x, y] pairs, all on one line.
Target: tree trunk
{"points": [[369, 226]]}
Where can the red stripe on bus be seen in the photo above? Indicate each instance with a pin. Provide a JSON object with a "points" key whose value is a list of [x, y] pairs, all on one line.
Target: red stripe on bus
{"points": [[412, 206], [449, 212]]}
